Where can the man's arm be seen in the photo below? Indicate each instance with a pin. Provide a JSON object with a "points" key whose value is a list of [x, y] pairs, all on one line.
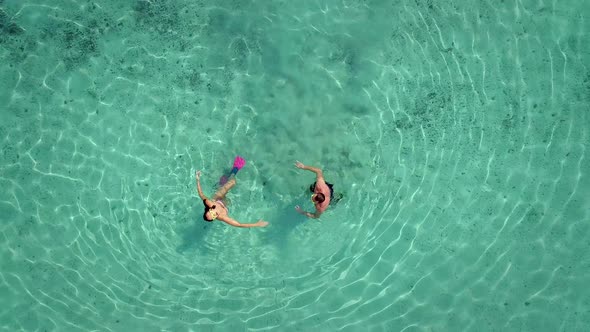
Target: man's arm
{"points": [[199, 190], [308, 214], [316, 170], [230, 221], [312, 215]]}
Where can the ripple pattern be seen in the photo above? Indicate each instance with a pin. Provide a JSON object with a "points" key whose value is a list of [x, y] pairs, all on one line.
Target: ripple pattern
{"points": [[457, 132]]}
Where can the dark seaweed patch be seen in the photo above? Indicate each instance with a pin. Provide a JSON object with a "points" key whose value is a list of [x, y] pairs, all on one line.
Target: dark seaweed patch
{"points": [[10, 154], [15, 40], [8, 27], [160, 16], [430, 106], [191, 79], [239, 53], [403, 124], [78, 43]]}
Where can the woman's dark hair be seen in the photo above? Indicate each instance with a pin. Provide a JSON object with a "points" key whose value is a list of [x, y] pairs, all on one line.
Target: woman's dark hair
{"points": [[205, 213], [320, 198]]}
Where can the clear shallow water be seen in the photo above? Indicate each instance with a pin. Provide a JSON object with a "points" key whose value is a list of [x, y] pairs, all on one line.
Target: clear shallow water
{"points": [[456, 131]]}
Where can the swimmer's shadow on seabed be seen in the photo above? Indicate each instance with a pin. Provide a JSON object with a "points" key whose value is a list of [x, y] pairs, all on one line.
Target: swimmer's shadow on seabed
{"points": [[283, 222], [193, 230]]}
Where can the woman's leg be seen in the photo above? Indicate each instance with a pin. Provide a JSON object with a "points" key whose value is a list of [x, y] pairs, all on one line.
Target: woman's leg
{"points": [[220, 194]]}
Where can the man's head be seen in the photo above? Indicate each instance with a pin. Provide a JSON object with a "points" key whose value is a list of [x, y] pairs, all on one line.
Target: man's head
{"points": [[318, 198]]}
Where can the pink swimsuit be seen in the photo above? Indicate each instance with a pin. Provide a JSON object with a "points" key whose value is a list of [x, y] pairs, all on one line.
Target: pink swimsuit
{"points": [[221, 202]]}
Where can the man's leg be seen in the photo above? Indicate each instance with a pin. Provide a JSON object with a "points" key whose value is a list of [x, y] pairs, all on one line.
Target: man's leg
{"points": [[220, 194]]}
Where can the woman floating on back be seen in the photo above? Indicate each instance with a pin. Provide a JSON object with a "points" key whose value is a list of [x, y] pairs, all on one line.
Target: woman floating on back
{"points": [[215, 208]]}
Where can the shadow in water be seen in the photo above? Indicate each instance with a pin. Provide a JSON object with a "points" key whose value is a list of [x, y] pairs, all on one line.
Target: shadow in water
{"points": [[283, 223], [285, 219], [193, 233]]}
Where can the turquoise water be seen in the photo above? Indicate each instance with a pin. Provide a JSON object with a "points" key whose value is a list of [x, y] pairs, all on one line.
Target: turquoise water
{"points": [[457, 132]]}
